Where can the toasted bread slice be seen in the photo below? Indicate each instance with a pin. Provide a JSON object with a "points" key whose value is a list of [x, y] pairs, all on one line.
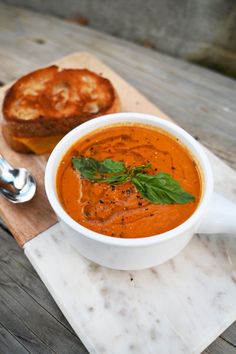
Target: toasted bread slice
{"points": [[50, 102]]}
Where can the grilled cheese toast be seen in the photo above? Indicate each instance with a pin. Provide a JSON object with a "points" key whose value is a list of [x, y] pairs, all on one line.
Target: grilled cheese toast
{"points": [[41, 107]]}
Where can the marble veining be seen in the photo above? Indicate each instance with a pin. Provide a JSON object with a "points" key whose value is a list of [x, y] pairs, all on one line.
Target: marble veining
{"points": [[178, 307]]}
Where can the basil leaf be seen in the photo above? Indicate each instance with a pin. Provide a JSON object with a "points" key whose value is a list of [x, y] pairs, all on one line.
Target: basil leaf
{"points": [[92, 169], [87, 166], [141, 168], [110, 166], [114, 179], [161, 189]]}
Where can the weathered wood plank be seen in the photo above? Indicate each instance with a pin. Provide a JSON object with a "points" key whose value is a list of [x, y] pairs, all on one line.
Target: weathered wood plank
{"points": [[220, 346], [230, 335], [225, 344], [198, 31], [12, 258], [9, 343], [30, 321], [201, 101]]}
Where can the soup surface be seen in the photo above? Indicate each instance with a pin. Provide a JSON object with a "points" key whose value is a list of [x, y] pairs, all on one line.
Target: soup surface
{"points": [[119, 210]]}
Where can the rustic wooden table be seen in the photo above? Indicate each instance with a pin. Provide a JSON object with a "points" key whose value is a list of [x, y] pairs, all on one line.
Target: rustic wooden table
{"points": [[202, 102]]}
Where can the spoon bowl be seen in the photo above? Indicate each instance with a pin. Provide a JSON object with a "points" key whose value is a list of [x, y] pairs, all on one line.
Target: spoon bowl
{"points": [[16, 184]]}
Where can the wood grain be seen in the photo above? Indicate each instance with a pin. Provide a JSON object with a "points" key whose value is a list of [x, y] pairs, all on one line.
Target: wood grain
{"points": [[198, 99], [30, 321], [26, 221]]}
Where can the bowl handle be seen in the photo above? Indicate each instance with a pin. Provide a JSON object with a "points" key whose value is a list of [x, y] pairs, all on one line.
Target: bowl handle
{"points": [[220, 216]]}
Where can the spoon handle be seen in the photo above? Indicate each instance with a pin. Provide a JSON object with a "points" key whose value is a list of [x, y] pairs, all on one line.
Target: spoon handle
{"points": [[6, 176]]}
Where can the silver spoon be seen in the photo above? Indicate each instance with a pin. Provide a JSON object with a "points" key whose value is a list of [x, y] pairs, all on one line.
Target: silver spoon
{"points": [[16, 184]]}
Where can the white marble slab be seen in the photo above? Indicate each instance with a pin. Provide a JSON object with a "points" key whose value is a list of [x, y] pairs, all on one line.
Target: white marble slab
{"points": [[178, 307]]}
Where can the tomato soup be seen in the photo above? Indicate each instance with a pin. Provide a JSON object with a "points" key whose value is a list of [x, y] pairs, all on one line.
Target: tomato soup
{"points": [[119, 210]]}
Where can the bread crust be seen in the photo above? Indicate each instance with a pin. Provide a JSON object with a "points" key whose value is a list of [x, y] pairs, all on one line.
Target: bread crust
{"points": [[53, 101], [14, 144]]}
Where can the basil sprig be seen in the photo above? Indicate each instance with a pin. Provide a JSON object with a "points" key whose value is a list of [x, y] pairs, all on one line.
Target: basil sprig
{"points": [[160, 188]]}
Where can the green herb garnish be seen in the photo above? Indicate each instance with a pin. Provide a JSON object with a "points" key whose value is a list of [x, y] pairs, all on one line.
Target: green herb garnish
{"points": [[160, 188]]}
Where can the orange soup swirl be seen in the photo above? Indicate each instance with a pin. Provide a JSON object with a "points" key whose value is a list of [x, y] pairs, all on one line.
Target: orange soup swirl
{"points": [[119, 210]]}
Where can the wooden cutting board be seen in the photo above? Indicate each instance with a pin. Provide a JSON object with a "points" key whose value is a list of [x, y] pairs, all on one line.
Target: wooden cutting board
{"points": [[26, 221]]}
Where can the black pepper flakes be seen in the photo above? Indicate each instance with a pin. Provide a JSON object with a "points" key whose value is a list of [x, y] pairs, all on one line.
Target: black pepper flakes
{"points": [[101, 201]]}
